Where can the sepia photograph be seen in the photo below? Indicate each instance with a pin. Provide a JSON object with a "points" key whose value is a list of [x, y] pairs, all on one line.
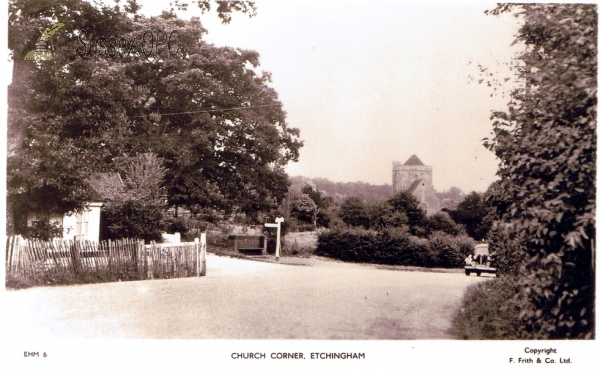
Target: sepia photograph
{"points": [[296, 183]]}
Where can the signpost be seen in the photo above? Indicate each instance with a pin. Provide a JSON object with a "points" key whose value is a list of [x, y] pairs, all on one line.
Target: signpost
{"points": [[277, 225]]}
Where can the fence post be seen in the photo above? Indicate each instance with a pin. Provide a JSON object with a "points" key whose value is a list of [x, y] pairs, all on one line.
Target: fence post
{"points": [[10, 245], [76, 258], [197, 244], [109, 257], [203, 254], [145, 253], [139, 262]]}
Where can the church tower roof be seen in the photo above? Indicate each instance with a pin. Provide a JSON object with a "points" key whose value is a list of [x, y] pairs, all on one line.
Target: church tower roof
{"points": [[414, 160], [413, 186]]}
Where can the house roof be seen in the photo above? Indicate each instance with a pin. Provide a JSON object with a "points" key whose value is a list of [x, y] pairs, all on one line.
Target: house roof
{"points": [[105, 186], [414, 160], [413, 186]]}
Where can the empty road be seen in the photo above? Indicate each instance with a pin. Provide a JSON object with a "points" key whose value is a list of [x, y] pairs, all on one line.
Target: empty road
{"points": [[242, 299]]}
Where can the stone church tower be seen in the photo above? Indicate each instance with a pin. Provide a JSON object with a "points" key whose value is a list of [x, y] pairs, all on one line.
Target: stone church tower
{"points": [[417, 178]]}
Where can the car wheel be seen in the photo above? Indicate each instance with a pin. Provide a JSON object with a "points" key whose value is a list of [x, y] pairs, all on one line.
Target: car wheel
{"points": [[467, 272], [479, 274]]}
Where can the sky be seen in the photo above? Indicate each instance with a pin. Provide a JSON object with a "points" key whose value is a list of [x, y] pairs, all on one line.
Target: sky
{"points": [[370, 83]]}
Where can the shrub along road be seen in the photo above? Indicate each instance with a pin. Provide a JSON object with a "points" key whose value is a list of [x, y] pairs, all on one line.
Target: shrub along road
{"points": [[241, 299]]}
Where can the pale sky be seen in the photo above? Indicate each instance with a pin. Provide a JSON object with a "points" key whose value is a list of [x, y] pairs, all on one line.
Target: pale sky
{"points": [[373, 82], [369, 83]]}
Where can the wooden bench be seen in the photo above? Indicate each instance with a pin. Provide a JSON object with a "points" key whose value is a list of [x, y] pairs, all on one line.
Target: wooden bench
{"points": [[248, 244]]}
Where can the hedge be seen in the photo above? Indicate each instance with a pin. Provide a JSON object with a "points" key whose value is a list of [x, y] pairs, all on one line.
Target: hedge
{"points": [[394, 246]]}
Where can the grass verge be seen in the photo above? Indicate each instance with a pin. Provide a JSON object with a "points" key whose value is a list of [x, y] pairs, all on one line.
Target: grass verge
{"points": [[487, 312]]}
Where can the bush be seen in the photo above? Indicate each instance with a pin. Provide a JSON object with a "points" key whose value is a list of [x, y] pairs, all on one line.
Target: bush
{"points": [[465, 245], [444, 251], [306, 227], [421, 252], [347, 244], [394, 246], [323, 219], [354, 213], [43, 230], [449, 252], [295, 225], [132, 220], [546, 142], [509, 255], [488, 312], [403, 249], [174, 225], [442, 222]]}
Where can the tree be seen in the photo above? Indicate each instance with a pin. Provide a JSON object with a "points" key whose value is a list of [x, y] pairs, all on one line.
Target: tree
{"points": [[383, 216], [138, 210], [401, 210], [132, 219], [450, 199], [354, 213], [323, 203], [339, 191], [44, 230], [404, 202], [304, 209], [207, 112], [444, 223], [546, 143], [473, 212], [143, 177]]}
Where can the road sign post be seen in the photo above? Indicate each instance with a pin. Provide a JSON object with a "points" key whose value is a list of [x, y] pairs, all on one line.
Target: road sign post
{"points": [[277, 225]]}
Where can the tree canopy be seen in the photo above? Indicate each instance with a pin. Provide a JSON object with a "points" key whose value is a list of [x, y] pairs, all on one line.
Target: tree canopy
{"points": [[473, 213], [121, 85], [407, 203], [304, 209], [354, 212]]}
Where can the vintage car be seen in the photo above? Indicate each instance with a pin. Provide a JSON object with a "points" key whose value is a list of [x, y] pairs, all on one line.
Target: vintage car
{"points": [[480, 262]]}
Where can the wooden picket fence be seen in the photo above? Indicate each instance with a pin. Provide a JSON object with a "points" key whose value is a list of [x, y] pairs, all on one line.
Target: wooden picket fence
{"points": [[179, 261], [30, 262]]}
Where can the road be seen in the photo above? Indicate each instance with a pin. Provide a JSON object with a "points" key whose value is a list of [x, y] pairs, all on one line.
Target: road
{"points": [[242, 299]]}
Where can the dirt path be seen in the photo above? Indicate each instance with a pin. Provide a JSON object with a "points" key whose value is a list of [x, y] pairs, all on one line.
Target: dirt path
{"points": [[241, 299]]}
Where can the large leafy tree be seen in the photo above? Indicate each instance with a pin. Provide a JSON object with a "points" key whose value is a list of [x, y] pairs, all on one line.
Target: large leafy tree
{"points": [[407, 203], [444, 223], [473, 213], [323, 203], [400, 210], [207, 112], [304, 209], [354, 212], [546, 142]]}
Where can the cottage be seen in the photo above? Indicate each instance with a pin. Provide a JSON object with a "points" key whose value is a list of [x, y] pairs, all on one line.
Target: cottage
{"points": [[85, 225]]}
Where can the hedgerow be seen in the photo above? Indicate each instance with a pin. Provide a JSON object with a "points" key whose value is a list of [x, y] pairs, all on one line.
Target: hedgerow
{"points": [[546, 143], [393, 246]]}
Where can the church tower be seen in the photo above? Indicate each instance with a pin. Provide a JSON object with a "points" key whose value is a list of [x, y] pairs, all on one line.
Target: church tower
{"points": [[417, 178]]}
